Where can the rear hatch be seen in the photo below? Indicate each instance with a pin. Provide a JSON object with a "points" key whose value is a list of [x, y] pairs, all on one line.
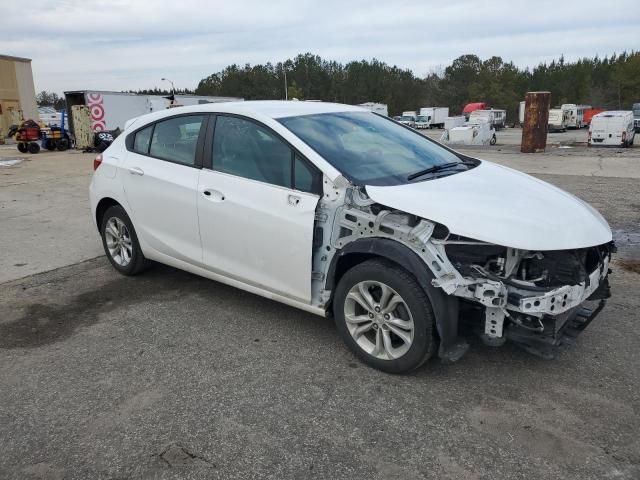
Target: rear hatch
{"points": [[606, 127]]}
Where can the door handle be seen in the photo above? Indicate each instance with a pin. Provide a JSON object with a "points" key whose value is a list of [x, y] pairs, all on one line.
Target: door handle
{"points": [[213, 195], [293, 200], [136, 171]]}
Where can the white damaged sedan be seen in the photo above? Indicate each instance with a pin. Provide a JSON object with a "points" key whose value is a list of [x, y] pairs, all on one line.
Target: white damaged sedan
{"points": [[408, 245]]}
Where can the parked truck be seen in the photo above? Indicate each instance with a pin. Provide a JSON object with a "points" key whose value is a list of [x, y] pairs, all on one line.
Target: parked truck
{"points": [[432, 117], [614, 128], [111, 110], [469, 108], [575, 114], [636, 116], [408, 118]]}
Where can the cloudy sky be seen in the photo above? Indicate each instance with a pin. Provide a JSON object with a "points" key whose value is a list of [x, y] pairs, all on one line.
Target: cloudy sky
{"points": [[132, 44]]}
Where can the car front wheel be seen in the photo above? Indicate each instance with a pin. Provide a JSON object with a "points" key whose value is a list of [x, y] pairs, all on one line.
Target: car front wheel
{"points": [[120, 242], [384, 316]]}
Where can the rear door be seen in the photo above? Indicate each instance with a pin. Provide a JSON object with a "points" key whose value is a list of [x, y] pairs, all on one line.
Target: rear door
{"points": [[161, 181], [256, 205]]}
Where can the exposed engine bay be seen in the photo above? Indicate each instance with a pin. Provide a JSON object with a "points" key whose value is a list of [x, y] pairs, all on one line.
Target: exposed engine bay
{"points": [[538, 299]]}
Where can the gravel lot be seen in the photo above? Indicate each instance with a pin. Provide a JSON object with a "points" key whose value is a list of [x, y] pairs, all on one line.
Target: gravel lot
{"points": [[168, 375]]}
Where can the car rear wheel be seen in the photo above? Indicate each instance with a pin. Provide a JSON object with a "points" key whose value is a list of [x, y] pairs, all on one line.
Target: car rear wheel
{"points": [[120, 242], [384, 316]]}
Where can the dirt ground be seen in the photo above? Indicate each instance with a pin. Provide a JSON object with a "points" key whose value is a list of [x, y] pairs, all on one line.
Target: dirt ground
{"points": [[168, 375]]}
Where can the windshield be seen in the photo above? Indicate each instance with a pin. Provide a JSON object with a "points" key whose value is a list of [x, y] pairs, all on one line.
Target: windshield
{"points": [[369, 149], [423, 119], [406, 118]]}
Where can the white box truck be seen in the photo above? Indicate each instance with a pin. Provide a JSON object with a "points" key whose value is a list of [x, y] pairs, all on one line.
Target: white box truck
{"points": [[613, 128], [408, 118], [434, 116]]}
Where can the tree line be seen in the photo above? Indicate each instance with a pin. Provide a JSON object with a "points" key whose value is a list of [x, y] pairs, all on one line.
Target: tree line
{"points": [[609, 82]]}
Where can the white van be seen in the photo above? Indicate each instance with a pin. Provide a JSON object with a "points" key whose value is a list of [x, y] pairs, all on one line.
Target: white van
{"points": [[612, 128]]}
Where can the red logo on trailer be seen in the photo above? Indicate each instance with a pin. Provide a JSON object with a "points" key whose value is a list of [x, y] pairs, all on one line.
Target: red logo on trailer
{"points": [[96, 108]]}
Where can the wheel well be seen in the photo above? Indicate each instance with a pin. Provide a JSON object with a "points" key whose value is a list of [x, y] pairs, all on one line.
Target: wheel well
{"points": [[103, 206]]}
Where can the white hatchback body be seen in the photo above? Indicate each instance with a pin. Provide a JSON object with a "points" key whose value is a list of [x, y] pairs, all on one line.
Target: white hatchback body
{"points": [[282, 241]]}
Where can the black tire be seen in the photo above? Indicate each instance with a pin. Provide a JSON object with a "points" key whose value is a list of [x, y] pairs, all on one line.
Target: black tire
{"points": [[493, 140], [423, 345], [50, 145], [62, 144], [137, 262], [34, 148], [23, 148]]}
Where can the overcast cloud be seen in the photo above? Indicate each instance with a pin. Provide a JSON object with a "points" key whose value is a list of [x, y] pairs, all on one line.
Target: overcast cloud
{"points": [[132, 44]]}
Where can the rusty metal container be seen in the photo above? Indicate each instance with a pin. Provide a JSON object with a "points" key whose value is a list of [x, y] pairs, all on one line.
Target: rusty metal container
{"points": [[536, 122]]}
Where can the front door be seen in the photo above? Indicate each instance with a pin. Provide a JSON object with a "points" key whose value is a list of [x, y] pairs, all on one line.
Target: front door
{"points": [[256, 209], [160, 180]]}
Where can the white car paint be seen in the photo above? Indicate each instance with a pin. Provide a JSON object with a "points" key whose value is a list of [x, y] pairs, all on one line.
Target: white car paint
{"points": [[257, 232], [499, 205], [258, 240]]}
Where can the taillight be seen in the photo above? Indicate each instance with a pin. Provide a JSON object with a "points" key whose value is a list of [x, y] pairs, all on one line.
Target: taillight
{"points": [[97, 161]]}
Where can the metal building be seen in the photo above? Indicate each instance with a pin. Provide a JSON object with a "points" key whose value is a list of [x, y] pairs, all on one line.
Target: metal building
{"points": [[17, 92]]}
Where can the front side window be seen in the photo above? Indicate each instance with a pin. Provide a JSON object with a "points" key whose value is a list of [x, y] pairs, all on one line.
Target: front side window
{"points": [[369, 149], [176, 139], [245, 149]]}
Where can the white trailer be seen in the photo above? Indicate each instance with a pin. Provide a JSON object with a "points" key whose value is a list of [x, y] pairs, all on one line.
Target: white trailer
{"points": [[612, 128], [473, 132], [435, 116], [497, 118], [111, 110], [452, 122], [379, 108], [575, 114], [557, 120]]}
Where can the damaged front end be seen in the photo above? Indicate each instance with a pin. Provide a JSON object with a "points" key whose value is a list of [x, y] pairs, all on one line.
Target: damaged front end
{"points": [[539, 299]]}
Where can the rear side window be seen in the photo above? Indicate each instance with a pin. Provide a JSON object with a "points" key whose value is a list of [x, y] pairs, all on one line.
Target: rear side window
{"points": [[246, 149], [142, 140], [176, 139]]}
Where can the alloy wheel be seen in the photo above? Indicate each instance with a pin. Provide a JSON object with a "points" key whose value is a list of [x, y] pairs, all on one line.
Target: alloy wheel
{"points": [[379, 320], [118, 241]]}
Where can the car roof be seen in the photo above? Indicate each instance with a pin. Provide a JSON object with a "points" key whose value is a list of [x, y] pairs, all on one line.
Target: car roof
{"points": [[614, 113], [280, 108]]}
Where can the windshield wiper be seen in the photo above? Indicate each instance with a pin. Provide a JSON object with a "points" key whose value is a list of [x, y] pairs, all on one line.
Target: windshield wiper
{"points": [[435, 168]]}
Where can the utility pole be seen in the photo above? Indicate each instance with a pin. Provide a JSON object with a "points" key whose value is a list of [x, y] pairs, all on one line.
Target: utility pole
{"points": [[286, 90]]}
